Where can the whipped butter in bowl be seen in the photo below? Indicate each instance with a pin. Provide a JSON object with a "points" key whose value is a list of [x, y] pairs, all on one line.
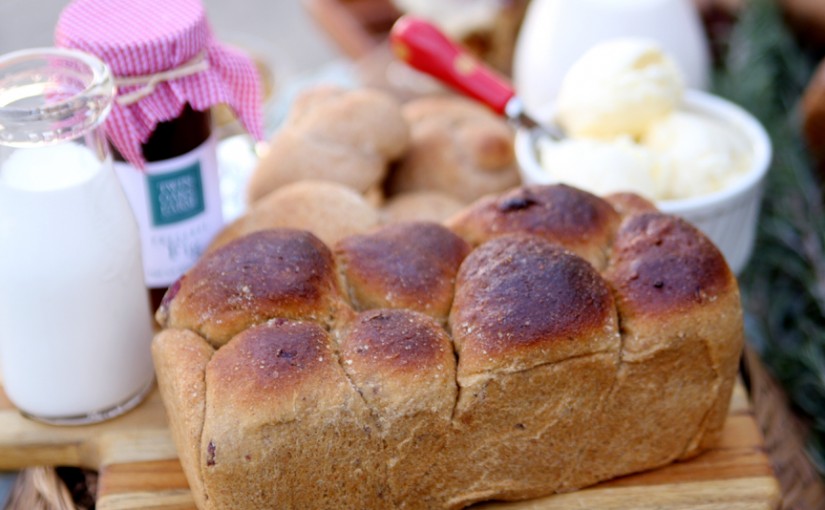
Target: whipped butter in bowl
{"points": [[632, 126]]}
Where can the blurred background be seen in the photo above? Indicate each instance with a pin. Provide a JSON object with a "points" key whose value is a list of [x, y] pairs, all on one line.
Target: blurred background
{"points": [[280, 31]]}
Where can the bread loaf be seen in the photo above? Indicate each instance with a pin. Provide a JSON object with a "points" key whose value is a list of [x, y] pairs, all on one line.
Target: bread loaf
{"points": [[813, 119], [545, 343]]}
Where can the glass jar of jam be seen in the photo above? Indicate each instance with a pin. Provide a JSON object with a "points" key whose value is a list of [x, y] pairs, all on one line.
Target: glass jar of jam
{"points": [[170, 72], [176, 197]]}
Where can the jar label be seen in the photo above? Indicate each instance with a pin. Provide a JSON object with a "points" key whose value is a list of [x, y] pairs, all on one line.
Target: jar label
{"points": [[177, 204], [176, 196]]}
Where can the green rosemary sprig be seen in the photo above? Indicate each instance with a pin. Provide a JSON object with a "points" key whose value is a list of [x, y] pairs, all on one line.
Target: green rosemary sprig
{"points": [[783, 287]]}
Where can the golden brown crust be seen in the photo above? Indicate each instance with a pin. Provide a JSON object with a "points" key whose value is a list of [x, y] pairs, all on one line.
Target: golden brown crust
{"points": [[522, 301], [682, 329], [575, 219], [278, 405], [404, 265], [662, 264], [403, 364], [627, 204], [398, 341], [385, 352], [271, 362], [274, 273]]}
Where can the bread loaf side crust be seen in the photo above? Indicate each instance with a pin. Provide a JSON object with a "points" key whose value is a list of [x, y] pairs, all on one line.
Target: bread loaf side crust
{"points": [[683, 334], [180, 358], [537, 337]]}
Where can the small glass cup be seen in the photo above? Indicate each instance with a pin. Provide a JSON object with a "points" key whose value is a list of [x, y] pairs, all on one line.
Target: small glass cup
{"points": [[75, 324]]}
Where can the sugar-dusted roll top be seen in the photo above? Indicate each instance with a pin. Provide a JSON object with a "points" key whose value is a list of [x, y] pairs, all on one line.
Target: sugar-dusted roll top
{"points": [[575, 219], [387, 352], [522, 301], [661, 264], [406, 265], [286, 274]]}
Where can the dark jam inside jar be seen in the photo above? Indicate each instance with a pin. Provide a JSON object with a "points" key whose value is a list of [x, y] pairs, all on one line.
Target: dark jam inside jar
{"points": [[169, 140], [179, 136]]}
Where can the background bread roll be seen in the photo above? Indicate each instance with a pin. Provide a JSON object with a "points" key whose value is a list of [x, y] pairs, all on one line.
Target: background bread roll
{"points": [[331, 211], [333, 134], [432, 206], [457, 147]]}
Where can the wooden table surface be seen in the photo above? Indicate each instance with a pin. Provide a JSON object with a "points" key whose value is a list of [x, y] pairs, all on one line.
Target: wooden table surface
{"points": [[139, 468]]}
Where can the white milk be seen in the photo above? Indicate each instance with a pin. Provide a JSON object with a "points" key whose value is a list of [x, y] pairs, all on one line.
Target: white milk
{"points": [[74, 315]]}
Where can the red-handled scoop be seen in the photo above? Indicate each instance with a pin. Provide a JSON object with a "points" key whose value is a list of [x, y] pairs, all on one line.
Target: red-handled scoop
{"points": [[421, 45]]}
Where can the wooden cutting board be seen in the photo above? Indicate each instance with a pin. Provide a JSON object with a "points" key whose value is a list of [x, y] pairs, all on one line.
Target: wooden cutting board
{"points": [[139, 468]]}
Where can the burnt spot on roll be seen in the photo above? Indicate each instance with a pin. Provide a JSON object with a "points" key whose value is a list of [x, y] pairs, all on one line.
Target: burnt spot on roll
{"points": [[521, 293], [210, 454], [662, 263], [516, 203], [406, 265], [273, 273]]}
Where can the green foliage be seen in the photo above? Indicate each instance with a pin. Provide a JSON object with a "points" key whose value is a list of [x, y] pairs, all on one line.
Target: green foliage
{"points": [[783, 288]]}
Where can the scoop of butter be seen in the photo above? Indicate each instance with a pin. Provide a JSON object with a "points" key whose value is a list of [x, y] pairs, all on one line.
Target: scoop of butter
{"points": [[618, 87], [601, 167], [696, 154]]}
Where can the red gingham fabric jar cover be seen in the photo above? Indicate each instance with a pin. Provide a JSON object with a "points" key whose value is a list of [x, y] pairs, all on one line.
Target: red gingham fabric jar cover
{"points": [[141, 38]]}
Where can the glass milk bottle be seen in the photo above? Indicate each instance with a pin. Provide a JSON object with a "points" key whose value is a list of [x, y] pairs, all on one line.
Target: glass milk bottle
{"points": [[75, 325]]}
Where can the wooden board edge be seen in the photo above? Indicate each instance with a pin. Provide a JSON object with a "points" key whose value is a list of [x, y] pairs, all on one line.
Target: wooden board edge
{"points": [[757, 493], [180, 499]]}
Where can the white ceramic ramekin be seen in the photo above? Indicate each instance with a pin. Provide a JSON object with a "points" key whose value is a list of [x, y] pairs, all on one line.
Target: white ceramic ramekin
{"points": [[728, 216]]}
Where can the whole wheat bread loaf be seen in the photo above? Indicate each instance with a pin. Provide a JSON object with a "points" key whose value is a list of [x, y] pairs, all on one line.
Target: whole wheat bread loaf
{"points": [[543, 342]]}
